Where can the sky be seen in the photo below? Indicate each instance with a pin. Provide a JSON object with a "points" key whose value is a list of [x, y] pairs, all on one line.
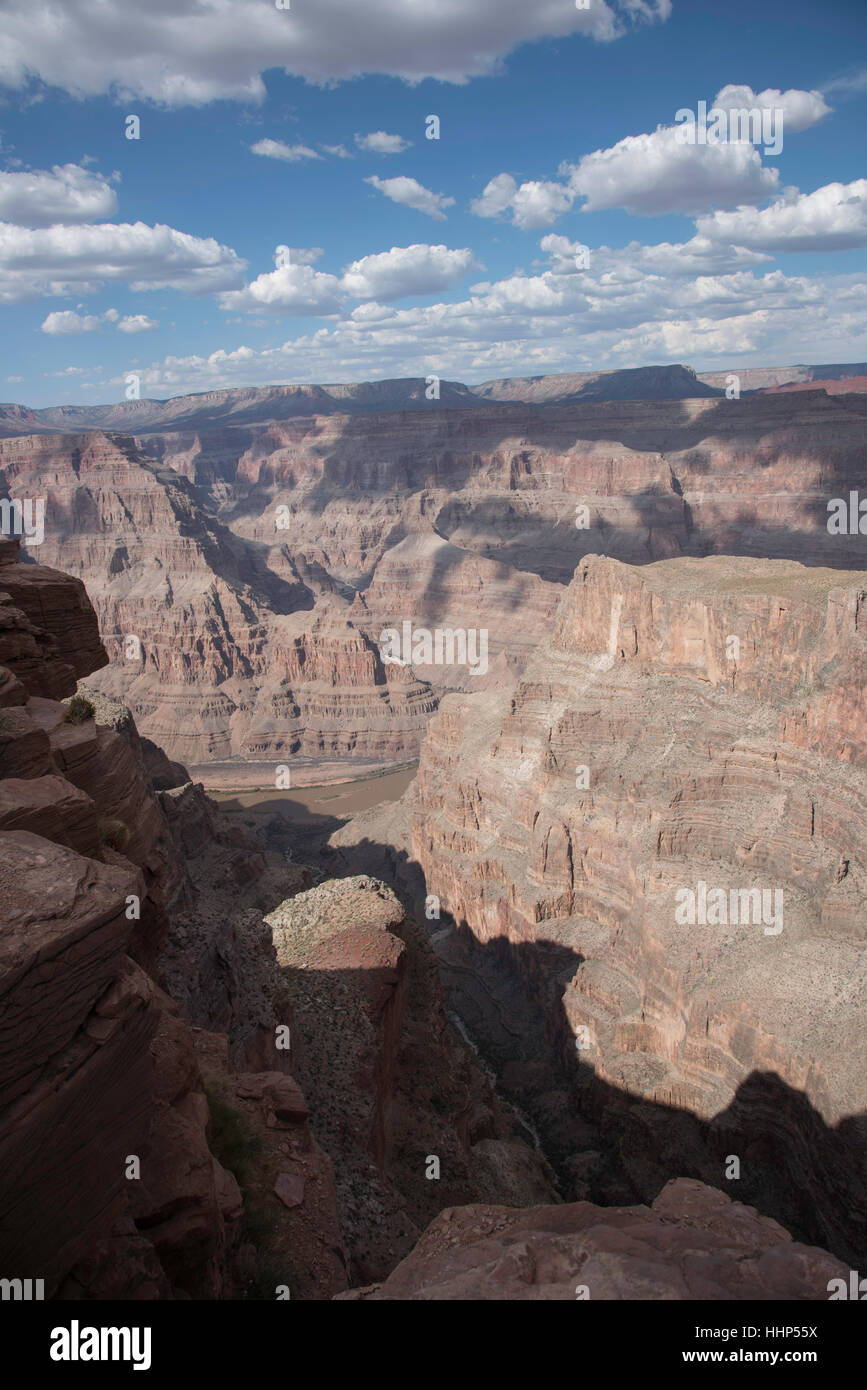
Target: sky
{"points": [[213, 193]]}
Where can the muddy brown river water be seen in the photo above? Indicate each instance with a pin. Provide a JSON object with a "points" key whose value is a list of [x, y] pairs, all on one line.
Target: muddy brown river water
{"points": [[308, 804]]}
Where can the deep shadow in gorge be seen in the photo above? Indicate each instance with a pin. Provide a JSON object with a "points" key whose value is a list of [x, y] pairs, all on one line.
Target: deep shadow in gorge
{"points": [[605, 1144]]}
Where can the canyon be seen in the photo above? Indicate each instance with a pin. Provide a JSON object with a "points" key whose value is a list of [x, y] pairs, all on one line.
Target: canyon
{"points": [[654, 1040], [464, 1044], [153, 1021], [245, 550]]}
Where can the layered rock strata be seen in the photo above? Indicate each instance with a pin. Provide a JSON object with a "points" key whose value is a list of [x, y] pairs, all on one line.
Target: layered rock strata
{"points": [[689, 727], [109, 1186], [220, 657], [244, 570]]}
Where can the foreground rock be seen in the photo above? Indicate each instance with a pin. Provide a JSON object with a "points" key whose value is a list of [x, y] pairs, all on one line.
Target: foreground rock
{"points": [[110, 1186], [692, 1243]]}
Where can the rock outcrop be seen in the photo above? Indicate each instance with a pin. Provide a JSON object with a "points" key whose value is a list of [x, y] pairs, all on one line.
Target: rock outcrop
{"points": [[692, 1243], [691, 726], [397, 1103]]}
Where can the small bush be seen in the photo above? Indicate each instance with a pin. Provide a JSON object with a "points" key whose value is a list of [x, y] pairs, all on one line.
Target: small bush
{"points": [[114, 834], [79, 710], [232, 1140]]}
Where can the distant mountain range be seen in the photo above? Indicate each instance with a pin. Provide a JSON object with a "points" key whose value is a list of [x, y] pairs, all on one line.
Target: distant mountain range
{"points": [[251, 405]]}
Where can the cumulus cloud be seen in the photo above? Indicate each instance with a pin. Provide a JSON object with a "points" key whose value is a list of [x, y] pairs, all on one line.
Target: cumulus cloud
{"points": [[536, 203], [649, 175], [833, 218], [614, 315], [658, 173], [800, 109], [698, 256], [195, 51], [380, 142], [70, 259], [290, 289], [277, 149], [339, 151], [406, 270], [69, 193], [137, 323], [413, 194], [295, 289], [67, 321]]}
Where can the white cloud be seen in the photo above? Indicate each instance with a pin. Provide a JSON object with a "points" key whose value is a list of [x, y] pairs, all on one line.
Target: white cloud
{"points": [[276, 149], [648, 175], [534, 204], [77, 259], [406, 270], [800, 109], [699, 256], [380, 142], [833, 218], [296, 289], [339, 151], [191, 52], [496, 197], [137, 323], [68, 193], [658, 173], [67, 321], [290, 289], [412, 194], [614, 315]]}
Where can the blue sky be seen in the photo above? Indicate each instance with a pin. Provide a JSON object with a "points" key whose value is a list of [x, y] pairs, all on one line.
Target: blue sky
{"points": [[403, 255]]}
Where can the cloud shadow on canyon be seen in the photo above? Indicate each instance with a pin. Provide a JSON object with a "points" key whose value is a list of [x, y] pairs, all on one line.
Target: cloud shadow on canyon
{"points": [[657, 520]]}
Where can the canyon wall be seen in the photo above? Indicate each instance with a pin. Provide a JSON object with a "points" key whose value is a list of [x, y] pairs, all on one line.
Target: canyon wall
{"points": [[243, 572], [689, 726], [98, 1071], [219, 656]]}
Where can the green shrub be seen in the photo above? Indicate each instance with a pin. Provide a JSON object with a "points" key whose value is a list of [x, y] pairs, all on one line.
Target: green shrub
{"points": [[236, 1145], [79, 710], [113, 833], [233, 1141]]}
